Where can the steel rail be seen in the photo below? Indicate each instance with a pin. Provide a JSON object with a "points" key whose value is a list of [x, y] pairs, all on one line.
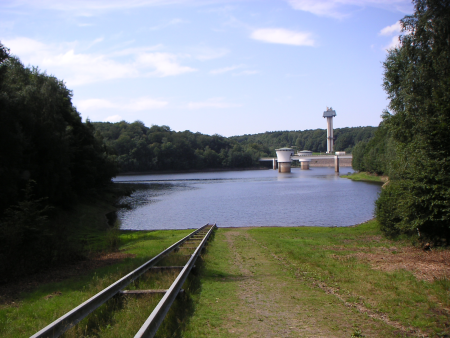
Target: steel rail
{"points": [[65, 322], [157, 316]]}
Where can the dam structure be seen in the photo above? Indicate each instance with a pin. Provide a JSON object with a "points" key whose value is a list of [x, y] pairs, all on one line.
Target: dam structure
{"points": [[285, 156], [329, 114]]}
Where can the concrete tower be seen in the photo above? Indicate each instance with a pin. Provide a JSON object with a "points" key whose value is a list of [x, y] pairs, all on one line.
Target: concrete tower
{"points": [[284, 159], [329, 114]]}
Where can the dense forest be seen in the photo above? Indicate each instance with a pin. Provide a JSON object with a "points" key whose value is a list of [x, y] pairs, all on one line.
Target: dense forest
{"points": [[139, 148], [314, 140], [49, 159], [410, 145]]}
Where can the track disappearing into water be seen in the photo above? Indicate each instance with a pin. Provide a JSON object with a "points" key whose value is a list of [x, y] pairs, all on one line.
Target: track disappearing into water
{"points": [[181, 256]]}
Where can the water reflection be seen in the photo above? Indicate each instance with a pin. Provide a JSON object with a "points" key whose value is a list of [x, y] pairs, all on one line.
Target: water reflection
{"points": [[316, 197]]}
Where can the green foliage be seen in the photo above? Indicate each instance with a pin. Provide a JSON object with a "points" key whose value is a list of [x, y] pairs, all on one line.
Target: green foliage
{"points": [[314, 140], [357, 333], [417, 80], [140, 148], [27, 239], [44, 139], [48, 158], [376, 154], [364, 176]]}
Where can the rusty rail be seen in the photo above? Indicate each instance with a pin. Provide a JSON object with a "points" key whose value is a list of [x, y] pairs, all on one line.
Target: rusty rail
{"points": [[155, 319], [71, 318]]}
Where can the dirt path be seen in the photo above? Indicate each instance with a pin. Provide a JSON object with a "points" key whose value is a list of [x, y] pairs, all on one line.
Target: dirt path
{"points": [[272, 302], [270, 310]]}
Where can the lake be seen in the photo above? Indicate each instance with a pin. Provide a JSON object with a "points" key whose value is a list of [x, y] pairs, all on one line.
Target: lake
{"points": [[316, 197]]}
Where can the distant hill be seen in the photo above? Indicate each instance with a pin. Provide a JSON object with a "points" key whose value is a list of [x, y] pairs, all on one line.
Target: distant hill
{"points": [[314, 140], [138, 148]]}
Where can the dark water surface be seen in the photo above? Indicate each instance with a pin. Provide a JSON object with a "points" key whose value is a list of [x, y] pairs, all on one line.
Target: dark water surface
{"points": [[316, 197]]}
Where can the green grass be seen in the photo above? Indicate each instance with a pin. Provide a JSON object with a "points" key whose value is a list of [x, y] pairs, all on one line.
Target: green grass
{"points": [[251, 282], [324, 257], [365, 177], [34, 310]]}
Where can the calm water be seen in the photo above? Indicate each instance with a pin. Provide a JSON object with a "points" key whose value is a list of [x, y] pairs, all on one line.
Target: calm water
{"points": [[316, 197]]}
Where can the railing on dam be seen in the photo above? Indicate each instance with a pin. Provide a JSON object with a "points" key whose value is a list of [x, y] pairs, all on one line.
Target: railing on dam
{"points": [[284, 166], [309, 157]]}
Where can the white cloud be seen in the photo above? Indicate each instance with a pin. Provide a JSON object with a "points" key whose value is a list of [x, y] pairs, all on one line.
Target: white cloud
{"points": [[172, 22], [321, 8], [86, 7], [145, 103], [139, 104], [396, 28], [224, 70], [165, 64], [247, 72], [342, 8], [212, 103], [207, 53], [94, 42], [94, 104], [282, 36], [76, 68], [113, 118], [395, 42]]}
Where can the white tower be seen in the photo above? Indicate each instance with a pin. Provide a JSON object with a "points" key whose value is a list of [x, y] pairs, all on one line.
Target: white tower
{"points": [[284, 159], [329, 114]]}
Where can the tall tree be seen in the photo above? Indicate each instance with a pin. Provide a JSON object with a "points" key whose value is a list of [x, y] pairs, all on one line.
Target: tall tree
{"points": [[417, 80]]}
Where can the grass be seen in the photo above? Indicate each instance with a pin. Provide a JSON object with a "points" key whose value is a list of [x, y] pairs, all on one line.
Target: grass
{"points": [[34, 310], [254, 282], [365, 177], [318, 268]]}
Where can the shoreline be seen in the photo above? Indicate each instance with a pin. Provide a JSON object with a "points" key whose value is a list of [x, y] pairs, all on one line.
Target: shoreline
{"points": [[258, 226], [211, 170], [187, 171]]}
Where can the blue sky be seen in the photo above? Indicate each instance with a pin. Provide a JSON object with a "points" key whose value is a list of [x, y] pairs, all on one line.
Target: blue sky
{"points": [[210, 66]]}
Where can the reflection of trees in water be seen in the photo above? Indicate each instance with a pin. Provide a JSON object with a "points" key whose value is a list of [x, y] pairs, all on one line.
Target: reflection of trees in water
{"points": [[145, 193]]}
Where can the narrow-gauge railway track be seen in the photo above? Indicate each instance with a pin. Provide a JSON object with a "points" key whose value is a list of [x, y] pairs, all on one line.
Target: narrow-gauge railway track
{"points": [[188, 248]]}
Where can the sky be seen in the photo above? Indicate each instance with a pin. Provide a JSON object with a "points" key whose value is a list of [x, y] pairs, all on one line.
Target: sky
{"points": [[227, 67]]}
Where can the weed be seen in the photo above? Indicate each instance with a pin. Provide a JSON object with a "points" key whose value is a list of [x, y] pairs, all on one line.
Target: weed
{"points": [[357, 334]]}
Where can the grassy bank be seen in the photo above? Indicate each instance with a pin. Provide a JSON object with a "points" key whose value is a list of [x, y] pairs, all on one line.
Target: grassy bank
{"points": [[35, 236], [30, 311], [366, 177], [328, 282], [265, 282]]}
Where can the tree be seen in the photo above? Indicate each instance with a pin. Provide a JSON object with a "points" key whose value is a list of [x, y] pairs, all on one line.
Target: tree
{"points": [[417, 80], [49, 159]]}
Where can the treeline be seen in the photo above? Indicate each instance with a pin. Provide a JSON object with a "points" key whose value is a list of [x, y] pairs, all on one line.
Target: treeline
{"points": [[48, 160], [139, 148], [411, 146], [314, 140], [376, 154]]}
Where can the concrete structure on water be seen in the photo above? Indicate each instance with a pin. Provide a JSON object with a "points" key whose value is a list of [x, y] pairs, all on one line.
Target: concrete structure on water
{"points": [[285, 156], [329, 114], [284, 159]]}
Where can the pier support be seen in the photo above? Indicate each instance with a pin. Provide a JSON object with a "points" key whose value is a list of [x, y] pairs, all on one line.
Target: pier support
{"points": [[274, 164], [304, 164], [284, 167], [336, 164], [284, 159]]}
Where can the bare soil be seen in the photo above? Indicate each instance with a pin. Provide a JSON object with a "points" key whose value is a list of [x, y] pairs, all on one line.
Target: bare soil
{"points": [[425, 265]]}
